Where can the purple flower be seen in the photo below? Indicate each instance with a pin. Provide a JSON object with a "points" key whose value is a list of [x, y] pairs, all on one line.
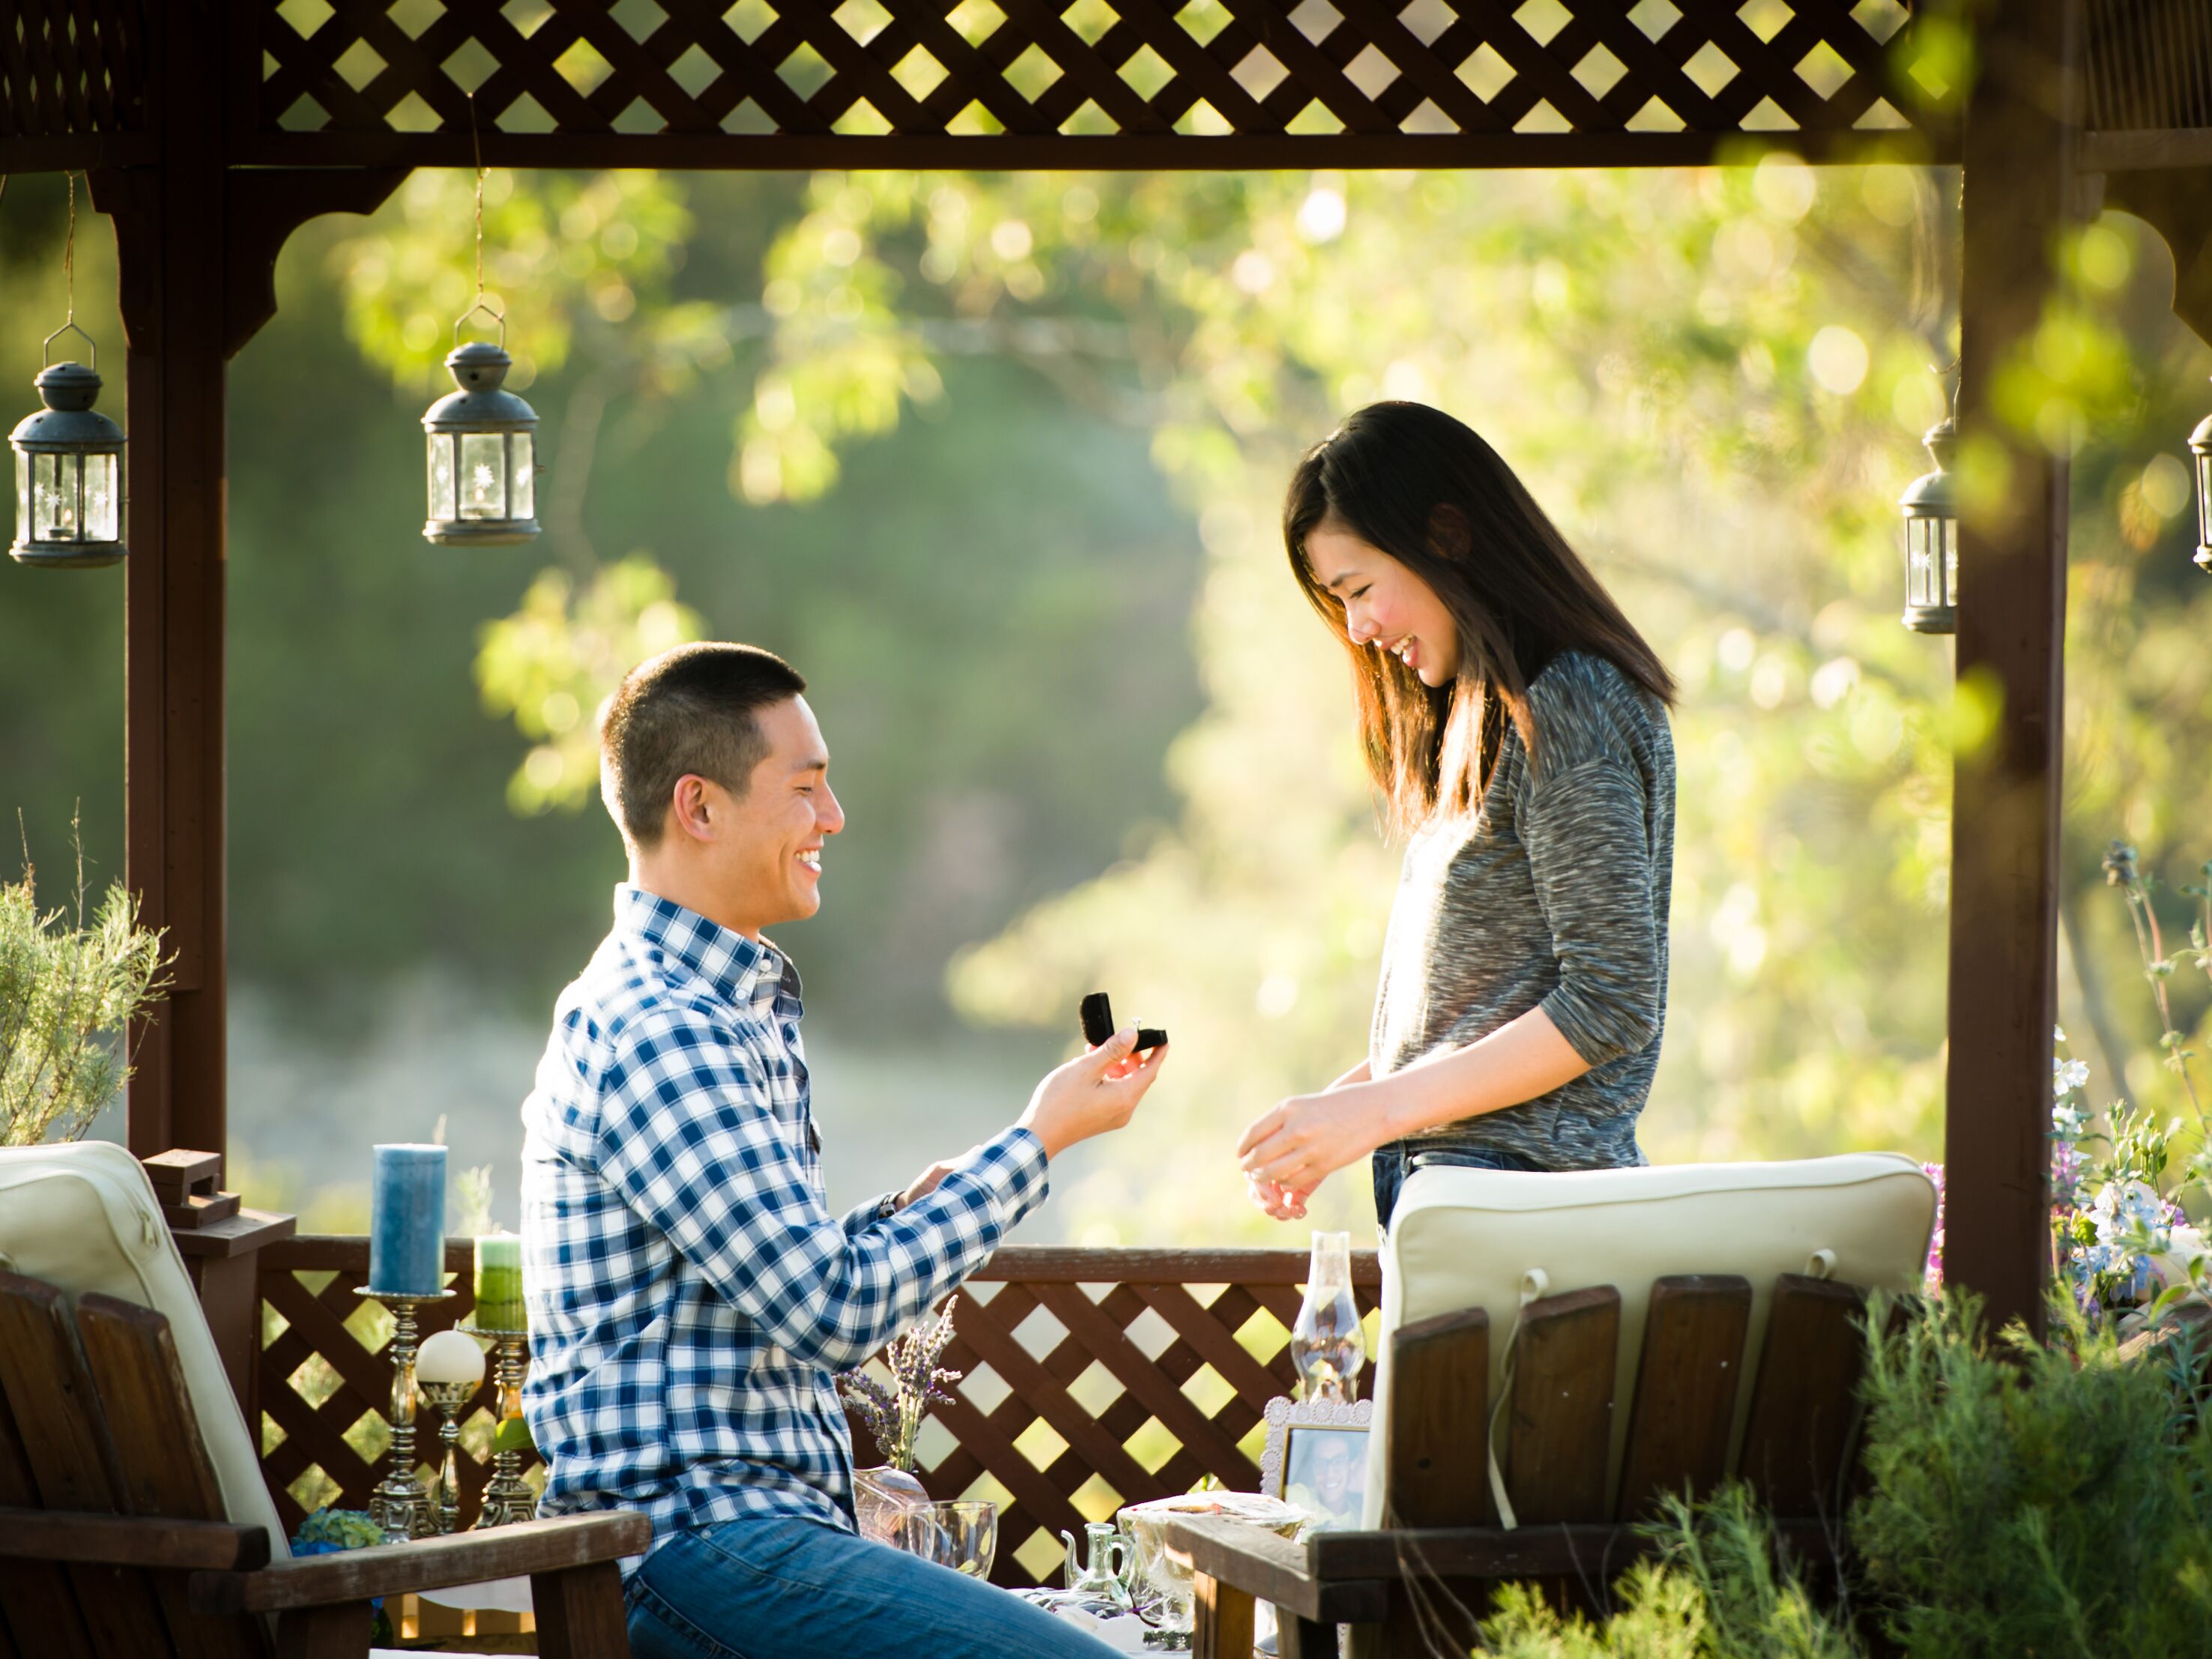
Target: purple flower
{"points": [[1934, 1275]]}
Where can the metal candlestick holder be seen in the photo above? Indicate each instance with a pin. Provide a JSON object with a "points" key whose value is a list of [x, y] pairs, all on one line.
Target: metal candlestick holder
{"points": [[399, 1505], [448, 1398], [507, 1495]]}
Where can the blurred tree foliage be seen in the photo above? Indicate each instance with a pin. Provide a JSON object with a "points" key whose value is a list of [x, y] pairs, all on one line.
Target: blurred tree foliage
{"points": [[373, 829], [945, 441]]}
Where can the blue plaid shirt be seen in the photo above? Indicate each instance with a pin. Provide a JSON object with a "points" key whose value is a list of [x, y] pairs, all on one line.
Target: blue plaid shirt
{"points": [[689, 1294]]}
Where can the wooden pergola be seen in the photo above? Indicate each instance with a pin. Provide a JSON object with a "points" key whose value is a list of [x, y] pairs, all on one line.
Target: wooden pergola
{"points": [[212, 129]]}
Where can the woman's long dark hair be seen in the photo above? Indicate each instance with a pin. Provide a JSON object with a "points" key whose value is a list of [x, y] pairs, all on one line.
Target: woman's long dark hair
{"points": [[1426, 490]]}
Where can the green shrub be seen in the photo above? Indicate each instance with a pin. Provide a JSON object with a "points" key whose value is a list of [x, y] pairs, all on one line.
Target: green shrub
{"points": [[2025, 1501], [1718, 1591], [2039, 1499]]}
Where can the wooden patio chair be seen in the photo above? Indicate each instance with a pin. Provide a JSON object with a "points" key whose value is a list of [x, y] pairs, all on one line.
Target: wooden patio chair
{"points": [[1715, 1305], [133, 1519]]}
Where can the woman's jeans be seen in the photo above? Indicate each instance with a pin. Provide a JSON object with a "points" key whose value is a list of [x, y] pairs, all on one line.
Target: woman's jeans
{"points": [[1397, 1159], [782, 1588]]}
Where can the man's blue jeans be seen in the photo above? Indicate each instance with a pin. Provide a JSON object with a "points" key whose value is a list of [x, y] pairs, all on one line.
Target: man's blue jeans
{"points": [[782, 1588]]}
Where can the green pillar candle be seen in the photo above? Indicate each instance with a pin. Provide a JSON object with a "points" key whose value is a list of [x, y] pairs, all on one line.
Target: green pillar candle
{"points": [[498, 1282]]}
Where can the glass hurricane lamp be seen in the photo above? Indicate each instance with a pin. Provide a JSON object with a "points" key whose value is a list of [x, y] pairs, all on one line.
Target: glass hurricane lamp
{"points": [[69, 470], [483, 462], [1931, 538]]}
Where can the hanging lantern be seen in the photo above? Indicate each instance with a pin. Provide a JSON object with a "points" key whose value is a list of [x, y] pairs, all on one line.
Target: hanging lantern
{"points": [[2199, 445], [483, 453], [1931, 538], [69, 470]]}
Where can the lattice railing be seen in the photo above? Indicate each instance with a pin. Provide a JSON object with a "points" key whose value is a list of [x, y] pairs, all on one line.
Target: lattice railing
{"points": [[1094, 1378], [1034, 72], [325, 1383]]}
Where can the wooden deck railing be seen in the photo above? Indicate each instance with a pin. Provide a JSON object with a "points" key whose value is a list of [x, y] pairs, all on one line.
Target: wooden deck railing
{"points": [[1094, 1378]]}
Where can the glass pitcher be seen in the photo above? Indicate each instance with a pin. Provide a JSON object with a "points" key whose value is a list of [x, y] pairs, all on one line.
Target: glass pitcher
{"points": [[1327, 1344], [1101, 1570]]}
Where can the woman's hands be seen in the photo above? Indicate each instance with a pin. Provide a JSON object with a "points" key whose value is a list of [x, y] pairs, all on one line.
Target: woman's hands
{"points": [[1281, 1201], [1286, 1152]]}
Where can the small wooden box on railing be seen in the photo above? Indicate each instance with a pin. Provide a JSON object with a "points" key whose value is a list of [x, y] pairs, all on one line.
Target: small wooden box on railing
{"points": [[221, 1242]]}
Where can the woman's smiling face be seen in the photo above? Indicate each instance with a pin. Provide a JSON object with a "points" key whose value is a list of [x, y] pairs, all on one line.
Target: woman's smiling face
{"points": [[1386, 606]]}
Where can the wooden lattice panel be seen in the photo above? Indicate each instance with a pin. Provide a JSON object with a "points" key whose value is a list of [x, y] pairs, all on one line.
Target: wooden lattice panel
{"points": [[320, 1377], [1094, 1378], [1040, 81], [69, 67]]}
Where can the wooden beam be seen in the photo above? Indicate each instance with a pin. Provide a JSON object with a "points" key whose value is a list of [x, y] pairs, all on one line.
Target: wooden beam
{"points": [[2177, 203], [1030, 1264], [74, 152], [2020, 148], [1125, 152]]}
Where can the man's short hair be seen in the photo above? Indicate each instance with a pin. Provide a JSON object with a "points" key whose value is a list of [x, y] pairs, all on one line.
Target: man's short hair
{"points": [[694, 710]]}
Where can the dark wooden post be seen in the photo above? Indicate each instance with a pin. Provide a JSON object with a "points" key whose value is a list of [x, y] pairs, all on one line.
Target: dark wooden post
{"points": [[2019, 194], [197, 246], [170, 235]]}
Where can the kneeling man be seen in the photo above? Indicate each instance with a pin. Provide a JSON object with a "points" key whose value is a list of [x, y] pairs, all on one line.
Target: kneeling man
{"points": [[689, 1296]]}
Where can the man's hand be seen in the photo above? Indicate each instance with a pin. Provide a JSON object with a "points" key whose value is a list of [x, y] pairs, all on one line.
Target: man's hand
{"points": [[1094, 1093], [1305, 1138], [924, 1184]]}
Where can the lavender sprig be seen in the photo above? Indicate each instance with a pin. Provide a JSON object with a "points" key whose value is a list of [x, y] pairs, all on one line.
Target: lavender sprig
{"points": [[893, 1415]]}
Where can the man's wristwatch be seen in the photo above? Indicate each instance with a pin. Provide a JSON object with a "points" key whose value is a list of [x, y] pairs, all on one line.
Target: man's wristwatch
{"points": [[887, 1206]]}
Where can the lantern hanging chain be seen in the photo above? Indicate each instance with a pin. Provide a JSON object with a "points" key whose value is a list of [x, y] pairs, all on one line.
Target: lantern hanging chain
{"points": [[68, 250], [68, 276], [1954, 371], [476, 147]]}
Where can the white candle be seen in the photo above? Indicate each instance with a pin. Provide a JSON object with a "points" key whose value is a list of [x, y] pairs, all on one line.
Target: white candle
{"points": [[449, 1357]]}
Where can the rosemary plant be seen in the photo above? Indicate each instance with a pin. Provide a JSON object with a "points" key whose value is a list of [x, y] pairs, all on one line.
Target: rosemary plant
{"points": [[69, 987]]}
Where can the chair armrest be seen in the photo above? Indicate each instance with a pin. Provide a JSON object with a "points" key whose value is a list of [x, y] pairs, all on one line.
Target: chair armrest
{"points": [[130, 1540], [1274, 1569], [465, 1558]]}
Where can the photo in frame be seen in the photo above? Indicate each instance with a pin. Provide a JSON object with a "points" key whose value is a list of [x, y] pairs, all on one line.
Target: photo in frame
{"points": [[1315, 1457]]}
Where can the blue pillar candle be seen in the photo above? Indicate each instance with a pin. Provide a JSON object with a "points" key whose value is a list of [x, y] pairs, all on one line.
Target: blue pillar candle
{"points": [[407, 1221]]}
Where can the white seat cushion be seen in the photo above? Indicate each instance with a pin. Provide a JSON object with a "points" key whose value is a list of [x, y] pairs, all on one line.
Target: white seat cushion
{"points": [[1466, 1238], [84, 1217]]}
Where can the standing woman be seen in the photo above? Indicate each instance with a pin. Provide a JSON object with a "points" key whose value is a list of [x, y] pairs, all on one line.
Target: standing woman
{"points": [[1515, 723]]}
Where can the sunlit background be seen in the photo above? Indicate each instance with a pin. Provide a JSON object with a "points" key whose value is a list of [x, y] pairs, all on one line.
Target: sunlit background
{"points": [[996, 463]]}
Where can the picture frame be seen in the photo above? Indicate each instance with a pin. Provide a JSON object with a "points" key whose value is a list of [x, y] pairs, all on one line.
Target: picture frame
{"points": [[1317, 1450]]}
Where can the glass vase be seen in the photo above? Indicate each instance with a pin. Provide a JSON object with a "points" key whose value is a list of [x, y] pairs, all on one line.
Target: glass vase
{"points": [[1327, 1344], [880, 1497]]}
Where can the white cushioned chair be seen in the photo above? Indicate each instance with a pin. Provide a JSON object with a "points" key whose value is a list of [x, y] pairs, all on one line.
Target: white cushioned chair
{"points": [[1558, 1352], [82, 1221], [1472, 1238]]}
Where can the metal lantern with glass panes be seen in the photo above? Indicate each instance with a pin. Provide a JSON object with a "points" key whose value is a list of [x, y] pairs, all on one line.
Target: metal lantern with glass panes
{"points": [[2200, 446], [1931, 539], [68, 471], [483, 469]]}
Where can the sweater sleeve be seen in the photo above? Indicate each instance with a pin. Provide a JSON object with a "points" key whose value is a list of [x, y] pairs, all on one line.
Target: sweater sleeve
{"points": [[1589, 851]]}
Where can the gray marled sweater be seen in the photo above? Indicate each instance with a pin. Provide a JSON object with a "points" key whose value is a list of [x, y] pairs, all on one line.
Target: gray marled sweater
{"points": [[1552, 894]]}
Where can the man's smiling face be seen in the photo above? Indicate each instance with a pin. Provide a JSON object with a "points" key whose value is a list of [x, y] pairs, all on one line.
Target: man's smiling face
{"points": [[767, 848]]}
